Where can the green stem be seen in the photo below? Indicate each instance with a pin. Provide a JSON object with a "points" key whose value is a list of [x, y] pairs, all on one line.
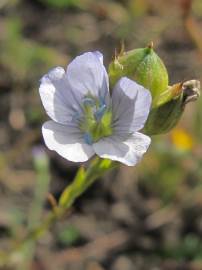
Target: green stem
{"points": [[83, 180]]}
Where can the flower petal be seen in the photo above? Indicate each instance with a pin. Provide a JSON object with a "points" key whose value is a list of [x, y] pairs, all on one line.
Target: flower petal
{"points": [[130, 106], [128, 151], [66, 141], [57, 98], [86, 74]]}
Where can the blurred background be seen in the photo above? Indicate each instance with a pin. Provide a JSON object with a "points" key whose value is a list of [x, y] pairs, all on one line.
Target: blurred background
{"points": [[144, 218]]}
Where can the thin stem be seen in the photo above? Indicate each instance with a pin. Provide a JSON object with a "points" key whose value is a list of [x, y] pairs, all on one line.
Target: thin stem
{"points": [[83, 180]]}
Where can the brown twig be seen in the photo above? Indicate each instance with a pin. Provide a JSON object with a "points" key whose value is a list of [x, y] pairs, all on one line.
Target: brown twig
{"points": [[52, 200], [191, 25], [186, 7], [194, 31]]}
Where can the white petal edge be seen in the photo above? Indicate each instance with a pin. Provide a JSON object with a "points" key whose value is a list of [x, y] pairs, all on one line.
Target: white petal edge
{"points": [[128, 151], [87, 74], [99, 55], [131, 104], [57, 98], [66, 141]]}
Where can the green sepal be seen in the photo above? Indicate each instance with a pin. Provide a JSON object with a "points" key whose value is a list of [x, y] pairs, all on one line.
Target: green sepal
{"points": [[163, 118], [170, 106]]}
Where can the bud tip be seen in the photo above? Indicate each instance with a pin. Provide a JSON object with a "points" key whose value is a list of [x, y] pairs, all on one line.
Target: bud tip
{"points": [[150, 45]]}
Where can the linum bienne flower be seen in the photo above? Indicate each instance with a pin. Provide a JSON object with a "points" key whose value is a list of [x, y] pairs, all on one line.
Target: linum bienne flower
{"points": [[86, 120]]}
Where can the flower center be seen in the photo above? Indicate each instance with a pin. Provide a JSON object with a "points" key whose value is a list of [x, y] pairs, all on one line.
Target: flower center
{"points": [[96, 121]]}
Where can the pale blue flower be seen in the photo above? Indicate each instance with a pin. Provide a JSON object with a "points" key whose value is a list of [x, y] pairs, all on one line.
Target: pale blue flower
{"points": [[86, 120]]}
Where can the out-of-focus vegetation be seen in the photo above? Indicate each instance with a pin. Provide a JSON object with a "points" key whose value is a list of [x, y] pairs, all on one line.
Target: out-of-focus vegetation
{"points": [[27, 54], [62, 3], [147, 217]]}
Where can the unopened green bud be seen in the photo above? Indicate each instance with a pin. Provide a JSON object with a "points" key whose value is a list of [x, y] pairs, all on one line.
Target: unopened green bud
{"points": [[170, 106], [143, 66]]}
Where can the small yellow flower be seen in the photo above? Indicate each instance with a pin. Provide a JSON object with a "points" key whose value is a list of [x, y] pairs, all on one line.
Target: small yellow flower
{"points": [[181, 139]]}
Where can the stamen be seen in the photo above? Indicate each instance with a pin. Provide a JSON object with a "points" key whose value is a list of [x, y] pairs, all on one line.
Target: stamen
{"points": [[101, 101], [88, 138], [96, 122], [100, 112], [87, 101]]}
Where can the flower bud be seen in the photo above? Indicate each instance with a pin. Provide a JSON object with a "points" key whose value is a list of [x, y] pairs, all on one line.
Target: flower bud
{"points": [[143, 66], [170, 106]]}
